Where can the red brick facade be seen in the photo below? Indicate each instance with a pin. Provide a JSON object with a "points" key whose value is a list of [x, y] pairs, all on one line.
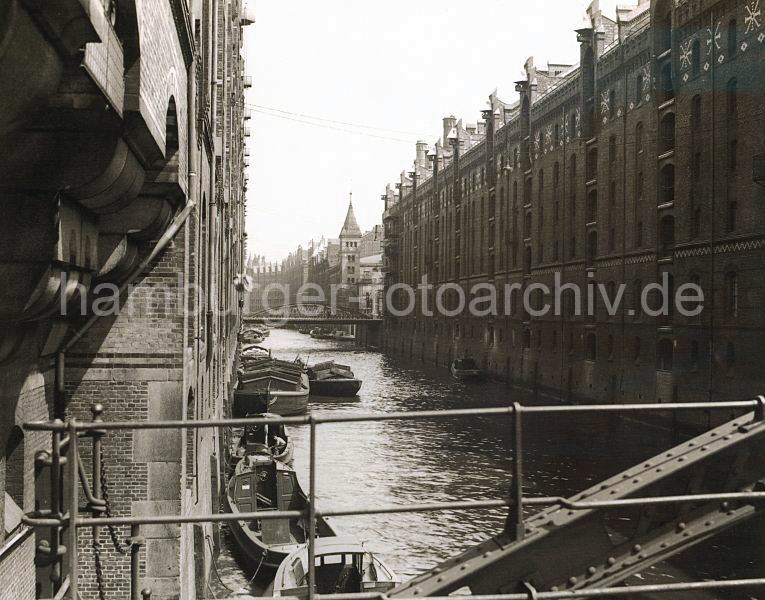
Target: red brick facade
{"points": [[634, 164], [121, 127]]}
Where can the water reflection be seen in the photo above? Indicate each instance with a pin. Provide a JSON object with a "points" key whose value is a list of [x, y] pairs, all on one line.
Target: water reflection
{"points": [[406, 462]]}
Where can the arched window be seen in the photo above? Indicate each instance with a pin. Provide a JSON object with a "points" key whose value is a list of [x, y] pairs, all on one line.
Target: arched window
{"points": [[696, 58], [639, 138], [612, 103], [171, 130], [527, 261], [527, 338], [592, 164], [556, 175], [732, 96], [639, 90], [732, 216], [667, 86], [556, 135], [592, 206], [667, 191], [612, 149], [732, 38], [591, 347], [592, 246], [663, 26], [731, 294], [664, 354], [572, 125], [667, 235], [667, 133]]}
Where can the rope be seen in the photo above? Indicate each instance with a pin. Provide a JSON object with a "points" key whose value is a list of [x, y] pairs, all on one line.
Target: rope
{"points": [[262, 557], [215, 564]]}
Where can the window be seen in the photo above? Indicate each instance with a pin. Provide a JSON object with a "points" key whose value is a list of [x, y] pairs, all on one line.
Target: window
{"points": [[731, 294], [732, 96], [667, 191], [592, 206], [572, 125], [639, 90], [667, 235], [612, 193], [592, 164], [556, 175], [732, 38], [541, 184], [667, 133], [591, 347], [664, 354], [667, 86], [612, 103], [527, 338], [696, 58], [490, 335], [612, 149], [639, 185], [573, 246], [556, 135], [592, 246]]}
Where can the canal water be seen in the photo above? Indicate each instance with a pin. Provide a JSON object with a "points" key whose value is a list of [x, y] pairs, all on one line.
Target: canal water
{"points": [[407, 462]]}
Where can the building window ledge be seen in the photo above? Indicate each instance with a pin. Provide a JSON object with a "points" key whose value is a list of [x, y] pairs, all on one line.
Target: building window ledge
{"points": [[667, 104], [591, 182], [666, 206], [667, 154], [591, 141], [664, 54]]}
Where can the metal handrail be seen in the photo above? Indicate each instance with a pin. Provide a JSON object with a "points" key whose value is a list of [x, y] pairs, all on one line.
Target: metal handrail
{"points": [[97, 428], [394, 416]]}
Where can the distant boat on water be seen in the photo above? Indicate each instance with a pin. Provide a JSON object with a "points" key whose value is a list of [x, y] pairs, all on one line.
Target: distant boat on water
{"points": [[332, 379]]}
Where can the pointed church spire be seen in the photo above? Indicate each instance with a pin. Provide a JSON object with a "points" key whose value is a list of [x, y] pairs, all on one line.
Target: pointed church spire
{"points": [[350, 227]]}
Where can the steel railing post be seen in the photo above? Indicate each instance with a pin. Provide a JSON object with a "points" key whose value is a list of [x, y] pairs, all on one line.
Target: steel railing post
{"points": [[74, 502], [515, 525], [97, 410], [312, 511], [56, 509], [136, 541]]}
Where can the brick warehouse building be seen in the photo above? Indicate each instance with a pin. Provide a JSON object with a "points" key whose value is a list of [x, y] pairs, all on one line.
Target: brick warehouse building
{"points": [[645, 159], [123, 124]]}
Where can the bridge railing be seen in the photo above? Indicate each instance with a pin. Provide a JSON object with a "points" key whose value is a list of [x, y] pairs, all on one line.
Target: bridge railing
{"points": [[65, 451]]}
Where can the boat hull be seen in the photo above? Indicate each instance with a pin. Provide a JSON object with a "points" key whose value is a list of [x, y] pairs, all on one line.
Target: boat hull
{"points": [[281, 403], [343, 388]]}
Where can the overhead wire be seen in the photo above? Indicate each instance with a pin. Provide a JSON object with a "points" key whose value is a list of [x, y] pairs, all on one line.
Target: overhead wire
{"points": [[333, 127], [315, 118]]}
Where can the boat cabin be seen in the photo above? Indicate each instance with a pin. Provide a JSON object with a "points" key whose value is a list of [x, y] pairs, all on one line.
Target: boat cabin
{"points": [[342, 566]]}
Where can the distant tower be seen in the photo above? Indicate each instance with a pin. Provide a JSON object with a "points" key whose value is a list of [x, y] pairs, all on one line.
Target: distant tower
{"points": [[350, 237]]}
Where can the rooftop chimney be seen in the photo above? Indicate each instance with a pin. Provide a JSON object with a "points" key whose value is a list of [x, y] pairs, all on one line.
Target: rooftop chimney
{"points": [[449, 123], [421, 160]]}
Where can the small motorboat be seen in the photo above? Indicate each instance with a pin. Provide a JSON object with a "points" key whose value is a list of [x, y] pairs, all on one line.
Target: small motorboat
{"points": [[284, 384], [342, 566], [465, 369], [321, 334], [304, 330], [266, 438], [343, 336], [331, 379], [261, 483]]}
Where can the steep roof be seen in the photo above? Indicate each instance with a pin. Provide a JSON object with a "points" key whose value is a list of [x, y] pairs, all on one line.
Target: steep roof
{"points": [[350, 227]]}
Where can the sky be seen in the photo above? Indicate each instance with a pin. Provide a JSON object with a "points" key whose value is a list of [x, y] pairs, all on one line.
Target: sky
{"points": [[395, 67]]}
